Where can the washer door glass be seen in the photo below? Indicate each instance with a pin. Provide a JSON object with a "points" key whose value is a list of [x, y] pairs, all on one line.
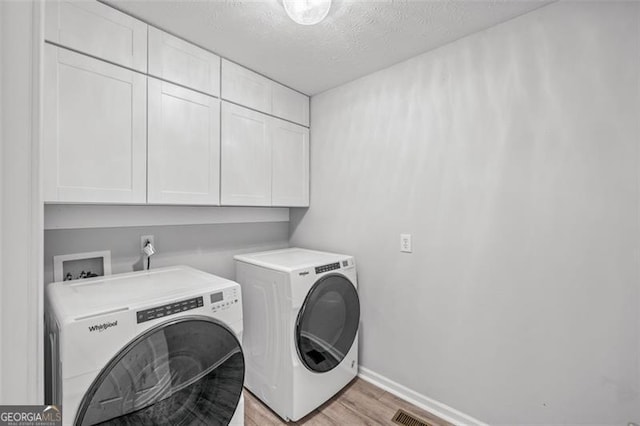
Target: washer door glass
{"points": [[187, 371], [327, 323]]}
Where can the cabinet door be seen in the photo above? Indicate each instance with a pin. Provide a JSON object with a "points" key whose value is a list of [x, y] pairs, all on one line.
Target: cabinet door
{"points": [[94, 130], [246, 87], [246, 157], [184, 145], [183, 63], [98, 30], [290, 164], [290, 105]]}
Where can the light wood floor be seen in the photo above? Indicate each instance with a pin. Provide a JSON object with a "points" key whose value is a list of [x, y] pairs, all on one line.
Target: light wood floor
{"points": [[359, 403]]}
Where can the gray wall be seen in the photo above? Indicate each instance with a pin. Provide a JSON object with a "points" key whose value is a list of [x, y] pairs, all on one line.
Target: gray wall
{"points": [[207, 247], [512, 157]]}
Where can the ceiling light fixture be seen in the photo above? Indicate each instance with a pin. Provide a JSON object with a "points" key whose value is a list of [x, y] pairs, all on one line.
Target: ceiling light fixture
{"points": [[307, 12]]}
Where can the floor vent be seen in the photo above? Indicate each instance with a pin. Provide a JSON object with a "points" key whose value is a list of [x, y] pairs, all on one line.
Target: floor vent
{"points": [[405, 419]]}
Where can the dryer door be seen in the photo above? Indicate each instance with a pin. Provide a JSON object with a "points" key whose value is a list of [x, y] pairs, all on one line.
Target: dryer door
{"points": [[187, 371], [327, 323]]}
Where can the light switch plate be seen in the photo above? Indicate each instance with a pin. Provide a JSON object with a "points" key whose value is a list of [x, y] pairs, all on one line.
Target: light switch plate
{"points": [[405, 243]]}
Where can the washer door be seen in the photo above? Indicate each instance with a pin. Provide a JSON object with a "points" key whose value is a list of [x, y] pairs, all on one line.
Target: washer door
{"points": [[327, 323], [187, 371]]}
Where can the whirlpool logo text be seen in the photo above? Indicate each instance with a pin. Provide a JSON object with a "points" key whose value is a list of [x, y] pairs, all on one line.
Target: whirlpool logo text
{"points": [[102, 327]]}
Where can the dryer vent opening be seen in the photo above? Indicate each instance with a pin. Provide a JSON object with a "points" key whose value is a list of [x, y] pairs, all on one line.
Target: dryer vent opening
{"points": [[403, 418]]}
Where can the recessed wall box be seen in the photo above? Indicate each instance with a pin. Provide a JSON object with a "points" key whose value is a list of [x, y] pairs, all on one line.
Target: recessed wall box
{"points": [[81, 265]]}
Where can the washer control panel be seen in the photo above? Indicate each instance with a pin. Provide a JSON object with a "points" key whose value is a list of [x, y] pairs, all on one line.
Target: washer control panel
{"points": [[169, 309], [223, 300]]}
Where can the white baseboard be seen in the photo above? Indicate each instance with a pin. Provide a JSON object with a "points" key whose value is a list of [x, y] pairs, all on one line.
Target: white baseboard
{"points": [[431, 405]]}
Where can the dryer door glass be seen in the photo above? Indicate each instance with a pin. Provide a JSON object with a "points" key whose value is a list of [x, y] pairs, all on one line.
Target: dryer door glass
{"points": [[187, 371], [327, 323]]}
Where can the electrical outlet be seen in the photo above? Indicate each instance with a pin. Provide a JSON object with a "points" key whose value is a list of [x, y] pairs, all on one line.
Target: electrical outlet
{"points": [[405, 243], [144, 239]]}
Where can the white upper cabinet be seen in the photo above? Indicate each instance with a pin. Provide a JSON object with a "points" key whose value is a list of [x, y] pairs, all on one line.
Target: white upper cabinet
{"points": [[246, 157], [184, 146], [134, 115], [290, 105], [175, 60], [98, 30], [265, 160], [290, 164], [94, 130], [245, 87]]}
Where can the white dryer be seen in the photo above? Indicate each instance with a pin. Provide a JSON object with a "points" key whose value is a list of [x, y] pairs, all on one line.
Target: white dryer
{"points": [[149, 348], [302, 314]]}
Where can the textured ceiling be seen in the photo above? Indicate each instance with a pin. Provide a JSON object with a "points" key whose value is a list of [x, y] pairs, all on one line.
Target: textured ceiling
{"points": [[357, 37]]}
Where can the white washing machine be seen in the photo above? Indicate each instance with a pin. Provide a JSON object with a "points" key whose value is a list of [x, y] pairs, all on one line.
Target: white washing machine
{"points": [[301, 327], [156, 347]]}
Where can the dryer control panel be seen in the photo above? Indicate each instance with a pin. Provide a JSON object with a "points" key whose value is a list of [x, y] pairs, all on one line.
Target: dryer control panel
{"points": [[327, 268]]}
